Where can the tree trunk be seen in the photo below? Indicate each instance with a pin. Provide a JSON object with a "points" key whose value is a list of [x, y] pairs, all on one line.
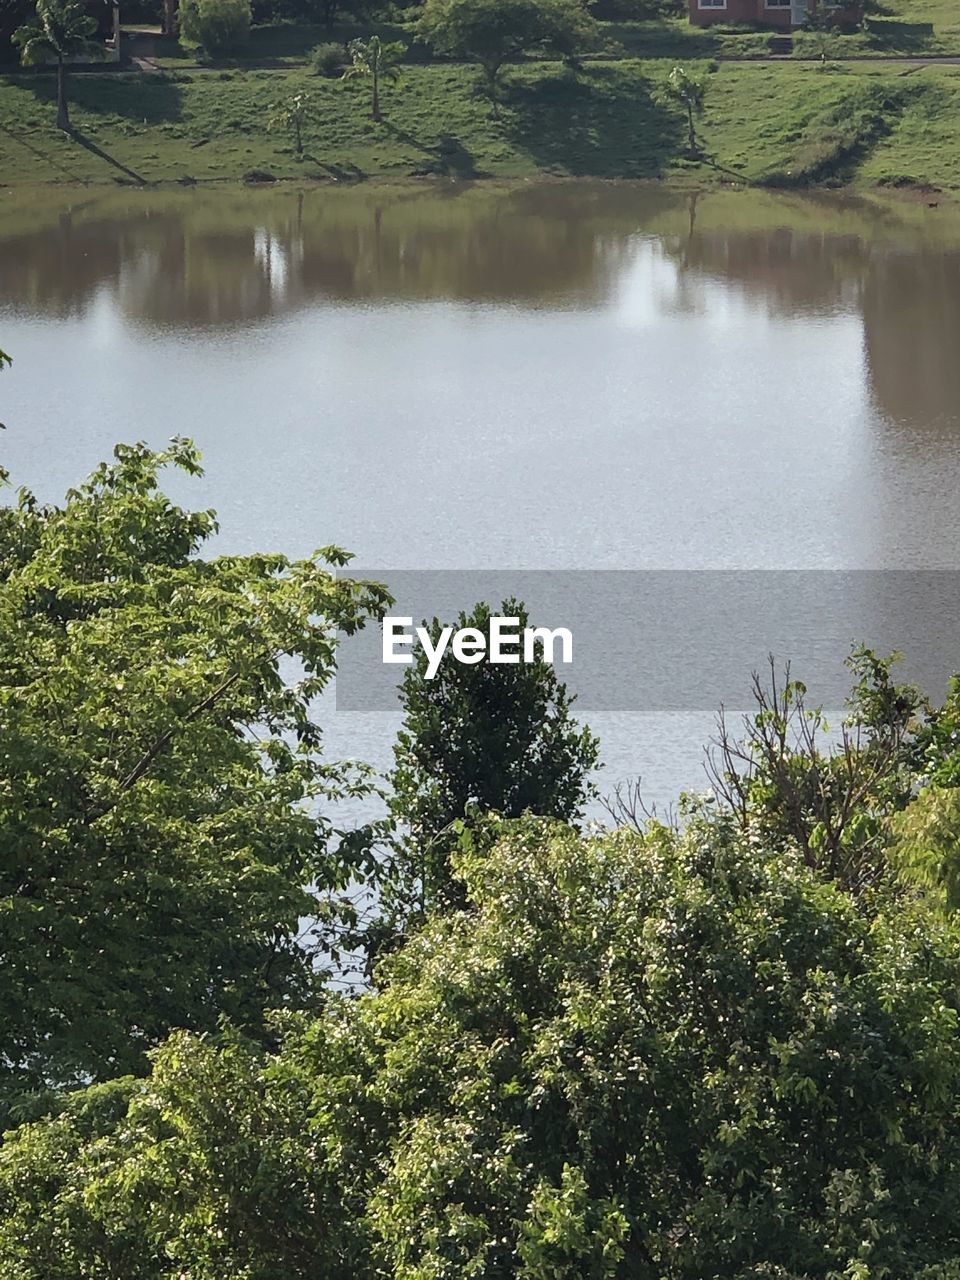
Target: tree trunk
{"points": [[693, 134], [491, 70], [376, 96], [63, 109], [169, 17]]}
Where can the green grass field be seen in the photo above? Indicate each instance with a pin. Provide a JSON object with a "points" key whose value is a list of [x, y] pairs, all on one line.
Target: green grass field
{"points": [[861, 122], [769, 124]]}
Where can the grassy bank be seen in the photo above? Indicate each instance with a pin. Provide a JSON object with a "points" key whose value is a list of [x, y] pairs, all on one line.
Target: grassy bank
{"points": [[765, 124]]}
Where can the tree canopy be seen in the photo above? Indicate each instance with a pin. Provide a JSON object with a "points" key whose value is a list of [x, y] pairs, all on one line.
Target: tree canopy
{"points": [[484, 737], [726, 1047], [492, 32], [217, 26], [163, 786], [61, 30], [655, 1058]]}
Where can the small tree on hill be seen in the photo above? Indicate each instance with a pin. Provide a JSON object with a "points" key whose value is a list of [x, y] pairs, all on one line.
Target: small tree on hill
{"points": [[59, 32], [292, 115], [688, 91], [377, 60], [821, 28], [491, 32]]}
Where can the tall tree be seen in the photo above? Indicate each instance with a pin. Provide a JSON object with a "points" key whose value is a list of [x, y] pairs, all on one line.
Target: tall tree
{"points": [[491, 32], [376, 60], [161, 781], [60, 32], [490, 737]]}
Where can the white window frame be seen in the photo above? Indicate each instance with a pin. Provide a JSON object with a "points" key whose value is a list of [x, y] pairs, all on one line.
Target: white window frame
{"points": [[778, 4], [712, 4]]}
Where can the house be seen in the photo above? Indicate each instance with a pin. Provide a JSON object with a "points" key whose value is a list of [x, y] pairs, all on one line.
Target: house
{"points": [[778, 14]]}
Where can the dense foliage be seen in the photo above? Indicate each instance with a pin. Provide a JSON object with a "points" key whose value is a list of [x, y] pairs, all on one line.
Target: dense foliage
{"points": [[662, 1058], [492, 32], [217, 26], [160, 777], [328, 59], [725, 1049], [485, 737]]}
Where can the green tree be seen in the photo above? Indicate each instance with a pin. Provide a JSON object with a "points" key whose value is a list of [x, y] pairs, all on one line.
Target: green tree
{"points": [[328, 59], [161, 781], [60, 32], [217, 26], [292, 115], [821, 27], [482, 737], [925, 829], [789, 784], [492, 32], [222, 1174], [688, 90], [641, 1057], [679, 1033], [377, 60]]}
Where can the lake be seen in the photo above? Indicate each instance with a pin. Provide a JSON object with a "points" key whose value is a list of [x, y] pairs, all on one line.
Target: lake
{"points": [[553, 376]]}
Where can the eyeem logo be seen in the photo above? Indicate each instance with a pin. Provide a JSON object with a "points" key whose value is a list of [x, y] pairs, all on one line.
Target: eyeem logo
{"points": [[504, 643]]}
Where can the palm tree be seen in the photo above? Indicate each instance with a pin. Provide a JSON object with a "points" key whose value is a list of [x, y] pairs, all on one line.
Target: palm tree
{"points": [[377, 60], [60, 30]]}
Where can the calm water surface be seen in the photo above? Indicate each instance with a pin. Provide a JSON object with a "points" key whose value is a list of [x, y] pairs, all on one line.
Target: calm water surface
{"points": [[554, 376]]}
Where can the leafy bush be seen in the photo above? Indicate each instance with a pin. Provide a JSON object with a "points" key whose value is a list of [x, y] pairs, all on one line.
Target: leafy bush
{"points": [[217, 26], [718, 1046], [649, 1058], [492, 32], [328, 59]]}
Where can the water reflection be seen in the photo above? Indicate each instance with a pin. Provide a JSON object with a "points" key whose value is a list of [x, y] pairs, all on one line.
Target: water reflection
{"points": [[225, 260], [228, 258], [554, 375], [911, 311]]}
